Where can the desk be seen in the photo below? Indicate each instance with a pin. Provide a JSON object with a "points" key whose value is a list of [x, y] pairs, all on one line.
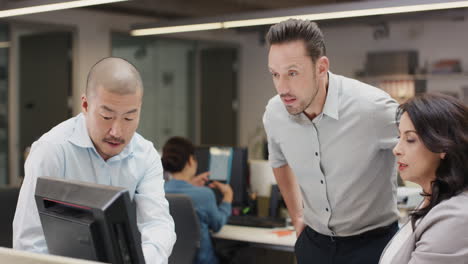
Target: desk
{"points": [[8, 255], [258, 237]]}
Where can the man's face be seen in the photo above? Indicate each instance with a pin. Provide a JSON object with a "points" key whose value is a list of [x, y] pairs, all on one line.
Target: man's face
{"points": [[111, 120], [294, 75]]}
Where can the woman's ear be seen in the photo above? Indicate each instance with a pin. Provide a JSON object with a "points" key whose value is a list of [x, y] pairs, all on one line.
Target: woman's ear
{"points": [[191, 161], [442, 155]]}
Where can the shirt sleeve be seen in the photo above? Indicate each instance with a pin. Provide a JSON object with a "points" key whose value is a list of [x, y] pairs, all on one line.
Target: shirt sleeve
{"points": [[217, 215], [154, 221], [385, 125], [45, 159], [275, 155], [444, 238]]}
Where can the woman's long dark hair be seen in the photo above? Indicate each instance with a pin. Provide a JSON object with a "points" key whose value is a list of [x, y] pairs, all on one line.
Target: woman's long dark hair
{"points": [[176, 154], [441, 122]]}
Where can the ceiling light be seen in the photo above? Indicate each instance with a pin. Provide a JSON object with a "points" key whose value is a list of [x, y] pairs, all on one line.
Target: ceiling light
{"points": [[4, 44], [315, 13], [31, 7], [175, 29]]}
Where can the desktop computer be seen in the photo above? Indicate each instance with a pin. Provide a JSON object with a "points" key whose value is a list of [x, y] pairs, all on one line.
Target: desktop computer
{"points": [[237, 167], [88, 221]]}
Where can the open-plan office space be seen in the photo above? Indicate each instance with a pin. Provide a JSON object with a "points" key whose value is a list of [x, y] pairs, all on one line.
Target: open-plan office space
{"points": [[211, 84]]}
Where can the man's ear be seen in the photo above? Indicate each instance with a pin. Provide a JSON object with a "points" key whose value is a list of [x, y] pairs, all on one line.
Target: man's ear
{"points": [[84, 104], [323, 65]]}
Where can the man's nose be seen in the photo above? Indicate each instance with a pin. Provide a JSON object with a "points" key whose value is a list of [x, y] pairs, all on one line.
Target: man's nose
{"points": [[283, 86], [116, 130]]}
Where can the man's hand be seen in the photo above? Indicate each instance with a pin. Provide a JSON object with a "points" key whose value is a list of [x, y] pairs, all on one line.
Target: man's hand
{"points": [[200, 179], [225, 189], [299, 225]]}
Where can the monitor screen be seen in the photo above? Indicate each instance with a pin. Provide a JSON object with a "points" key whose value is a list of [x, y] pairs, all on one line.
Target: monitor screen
{"points": [[220, 163], [238, 178], [88, 221]]}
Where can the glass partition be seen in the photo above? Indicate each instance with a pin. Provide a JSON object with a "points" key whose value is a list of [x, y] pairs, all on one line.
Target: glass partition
{"points": [[166, 67]]}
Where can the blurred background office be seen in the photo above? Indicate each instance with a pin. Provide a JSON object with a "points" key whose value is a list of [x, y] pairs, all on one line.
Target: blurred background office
{"points": [[210, 86]]}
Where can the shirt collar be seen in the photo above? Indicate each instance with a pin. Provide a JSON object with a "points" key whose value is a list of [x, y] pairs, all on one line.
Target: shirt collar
{"points": [[332, 101], [330, 107], [81, 138]]}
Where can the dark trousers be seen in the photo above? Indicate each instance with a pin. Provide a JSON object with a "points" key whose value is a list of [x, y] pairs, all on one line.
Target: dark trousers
{"points": [[312, 247]]}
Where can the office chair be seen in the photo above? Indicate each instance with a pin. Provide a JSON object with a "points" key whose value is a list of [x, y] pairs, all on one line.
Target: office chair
{"points": [[8, 198], [187, 228]]}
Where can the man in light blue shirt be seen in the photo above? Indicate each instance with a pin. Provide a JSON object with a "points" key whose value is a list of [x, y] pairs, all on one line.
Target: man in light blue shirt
{"points": [[100, 145]]}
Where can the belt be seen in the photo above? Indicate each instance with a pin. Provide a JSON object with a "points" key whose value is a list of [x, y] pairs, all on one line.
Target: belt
{"points": [[371, 233]]}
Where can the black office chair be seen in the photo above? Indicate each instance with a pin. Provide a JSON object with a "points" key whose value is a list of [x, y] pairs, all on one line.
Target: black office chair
{"points": [[8, 199], [187, 228]]}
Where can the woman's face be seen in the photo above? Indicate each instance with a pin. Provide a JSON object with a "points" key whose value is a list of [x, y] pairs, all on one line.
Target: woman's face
{"points": [[415, 162]]}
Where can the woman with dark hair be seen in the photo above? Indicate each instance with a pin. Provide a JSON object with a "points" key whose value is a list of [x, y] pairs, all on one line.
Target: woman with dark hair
{"points": [[433, 152], [178, 159]]}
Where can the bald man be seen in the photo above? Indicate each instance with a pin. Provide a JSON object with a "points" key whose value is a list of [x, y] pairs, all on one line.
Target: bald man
{"points": [[100, 145]]}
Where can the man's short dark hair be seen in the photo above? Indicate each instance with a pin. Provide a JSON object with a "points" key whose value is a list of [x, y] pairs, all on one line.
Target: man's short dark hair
{"points": [[297, 29]]}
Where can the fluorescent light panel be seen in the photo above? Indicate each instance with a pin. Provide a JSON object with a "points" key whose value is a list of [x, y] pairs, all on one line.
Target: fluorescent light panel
{"points": [[348, 14], [314, 16], [4, 44], [53, 7], [175, 29]]}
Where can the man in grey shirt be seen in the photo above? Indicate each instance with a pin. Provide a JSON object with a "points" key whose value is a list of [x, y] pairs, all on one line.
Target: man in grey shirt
{"points": [[330, 142]]}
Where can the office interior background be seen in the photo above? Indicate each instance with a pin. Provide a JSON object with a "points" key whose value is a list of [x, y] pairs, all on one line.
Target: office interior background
{"points": [[210, 86]]}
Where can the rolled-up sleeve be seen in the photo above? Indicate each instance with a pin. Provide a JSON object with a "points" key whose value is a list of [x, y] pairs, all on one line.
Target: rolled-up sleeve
{"points": [[217, 215], [154, 221]]}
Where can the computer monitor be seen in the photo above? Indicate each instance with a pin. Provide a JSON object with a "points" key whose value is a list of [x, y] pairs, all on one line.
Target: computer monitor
{"points": [[88, 221], [239, 171]]}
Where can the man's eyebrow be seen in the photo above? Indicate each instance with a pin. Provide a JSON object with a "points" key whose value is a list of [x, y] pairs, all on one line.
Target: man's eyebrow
{"points": [[111, 110], [107, 108], [292, 66], [131, 111], [288, 67]]}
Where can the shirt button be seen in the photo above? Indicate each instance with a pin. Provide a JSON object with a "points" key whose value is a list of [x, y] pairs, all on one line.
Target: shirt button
{"points": [[321, 181], [316, 154], [333, 233], [326, 209]]}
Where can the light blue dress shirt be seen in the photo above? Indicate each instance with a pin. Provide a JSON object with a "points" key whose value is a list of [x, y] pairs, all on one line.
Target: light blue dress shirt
{"points": [[212, 216], [67, 152]]}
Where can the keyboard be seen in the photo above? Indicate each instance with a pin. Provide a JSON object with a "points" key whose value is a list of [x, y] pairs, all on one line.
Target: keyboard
{"points": [[256, 221]]}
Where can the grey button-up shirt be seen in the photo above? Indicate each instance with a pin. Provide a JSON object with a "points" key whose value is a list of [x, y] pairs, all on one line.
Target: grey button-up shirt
{"points": [[342, 159]]}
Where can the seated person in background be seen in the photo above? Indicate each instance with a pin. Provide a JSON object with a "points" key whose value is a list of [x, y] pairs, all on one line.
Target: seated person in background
{"points": [[433, 152], [178, 158], [100, 145]]}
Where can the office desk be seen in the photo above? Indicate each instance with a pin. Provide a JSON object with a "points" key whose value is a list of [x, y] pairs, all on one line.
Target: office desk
{"points": [[258, 237], [8, 255]]}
